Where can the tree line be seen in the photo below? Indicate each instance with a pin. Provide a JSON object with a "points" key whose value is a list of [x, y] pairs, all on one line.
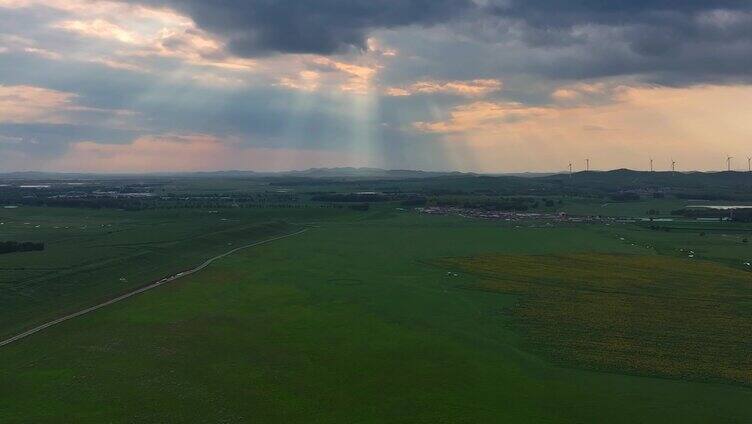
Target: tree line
{"points": [[20, 246]]}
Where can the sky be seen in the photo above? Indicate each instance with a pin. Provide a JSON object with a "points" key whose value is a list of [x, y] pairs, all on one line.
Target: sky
{"points": [[469, 85]]}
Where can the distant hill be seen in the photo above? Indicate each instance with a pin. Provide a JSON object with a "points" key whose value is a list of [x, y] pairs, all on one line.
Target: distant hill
{"points": [[365, 173], [345, 172], [37, 175], [626, 179], [618, 179], [523, 174]]}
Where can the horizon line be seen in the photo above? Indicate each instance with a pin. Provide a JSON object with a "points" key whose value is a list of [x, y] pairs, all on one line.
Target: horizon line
{"points": [[375, 169]]}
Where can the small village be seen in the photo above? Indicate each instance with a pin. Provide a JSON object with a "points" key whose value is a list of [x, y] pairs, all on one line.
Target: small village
{"points": [[500, 215]]}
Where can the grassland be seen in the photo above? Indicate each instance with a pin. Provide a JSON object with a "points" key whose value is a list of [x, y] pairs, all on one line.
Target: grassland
{"points": [[367, 316], [719, 242], [350, 322], [92, 255], [650, 315], [606, 207]]}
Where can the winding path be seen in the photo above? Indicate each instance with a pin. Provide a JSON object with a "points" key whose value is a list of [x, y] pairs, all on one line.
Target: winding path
{"points": [[141, 290]]}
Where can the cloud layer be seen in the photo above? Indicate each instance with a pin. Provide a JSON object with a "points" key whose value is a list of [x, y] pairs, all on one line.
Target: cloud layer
{"points": [[674, 42], [442, 84]]}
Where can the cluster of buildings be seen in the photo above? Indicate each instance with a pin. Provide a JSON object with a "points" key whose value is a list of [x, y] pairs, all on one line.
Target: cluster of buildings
{"points": [[494, 215]]}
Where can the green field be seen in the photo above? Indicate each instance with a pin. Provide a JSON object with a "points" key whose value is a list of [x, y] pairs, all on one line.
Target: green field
{"points": [[358, 320], [648, 315], [93, 255]]}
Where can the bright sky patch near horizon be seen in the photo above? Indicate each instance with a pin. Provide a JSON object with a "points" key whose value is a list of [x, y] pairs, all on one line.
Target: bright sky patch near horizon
{"points": [[471, 85]]}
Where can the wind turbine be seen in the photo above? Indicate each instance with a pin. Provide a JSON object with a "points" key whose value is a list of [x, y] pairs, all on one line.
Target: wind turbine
{"points": [[651, 164], [570, 168], [728, 163], [587, 164], [673, 165], [749, 164]]}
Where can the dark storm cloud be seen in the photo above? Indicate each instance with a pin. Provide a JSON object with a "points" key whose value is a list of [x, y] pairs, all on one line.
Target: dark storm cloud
{"points": [[615, 12], [256, 27], [330, 26], [671, 41], [652, 26], [692, 40], [667, 43]]}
